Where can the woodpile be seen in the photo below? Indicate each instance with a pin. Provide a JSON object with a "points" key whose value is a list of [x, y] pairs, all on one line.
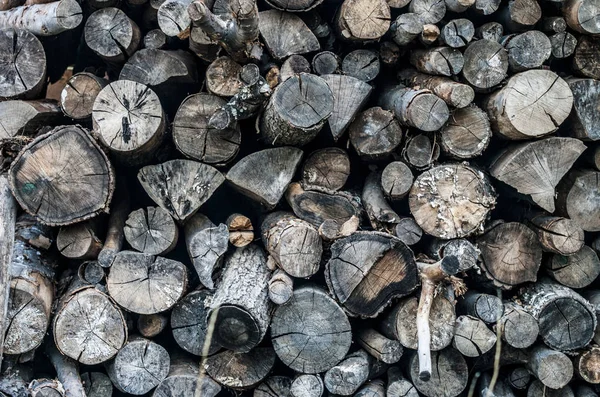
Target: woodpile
{"points": [[371, 198]]}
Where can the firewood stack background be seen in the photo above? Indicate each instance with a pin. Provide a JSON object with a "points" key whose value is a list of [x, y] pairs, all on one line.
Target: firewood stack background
{"points": [[300, 198]]}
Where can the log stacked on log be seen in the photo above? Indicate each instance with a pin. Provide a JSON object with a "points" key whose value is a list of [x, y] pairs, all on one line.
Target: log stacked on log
{"points": [[368, 198]]}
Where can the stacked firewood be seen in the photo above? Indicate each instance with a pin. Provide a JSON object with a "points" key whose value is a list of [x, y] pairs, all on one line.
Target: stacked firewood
{"points": [[300, 198]]}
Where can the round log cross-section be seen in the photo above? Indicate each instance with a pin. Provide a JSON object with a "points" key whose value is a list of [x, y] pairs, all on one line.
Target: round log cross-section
{"points": [[451, 201]]}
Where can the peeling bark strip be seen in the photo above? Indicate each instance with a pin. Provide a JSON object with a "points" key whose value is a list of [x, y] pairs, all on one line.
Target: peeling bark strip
{"points": [[451, 201], [367, 270], [62, 177], [146, 284], [317, 344], [89, 327], [43, 19]]}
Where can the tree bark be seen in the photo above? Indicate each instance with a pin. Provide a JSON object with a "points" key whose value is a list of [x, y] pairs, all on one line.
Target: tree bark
{"points": [[151, 230], [346, 377], [97, 384], [406, 28], [386, 350], [485, 64], [94, 335], [43, 19], [115, 228], [439, 61], [85, 187], [112, 35], [324, 345], [381, 215], [537, 389], [240, 307], [27, 117], [231, 369], [454, 94], [8, 218], [67, 372], [285, 34], [375, 134], [180, 186], [146, 284], [415, 108], [458, 216]]}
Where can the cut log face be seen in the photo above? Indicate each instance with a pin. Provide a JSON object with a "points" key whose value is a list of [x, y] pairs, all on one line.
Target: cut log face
{"points": [[585, 59], [78, 96], [472, 337], [535, 168], [567, 321], [184, 376], [265, 185], [415, 108], [146, 284], [151, 230], [454, 214], [532, 104], [362, 64], [488, 308], [467, 133], [439, 61], [196, 139], [129, 119], [362, 20], [583, 16], [401, 323], [519, 328], [320, 340], [563, 45], [240, 307], [139, 366], [307, 386], [27, 117], [22, 64], [150, 325], [485, 64], [420, 151], [286, 34], [231, 369], [180, 186], [396, 180], [89, 327], [222, 77], [448, 378], [511, 254], [538, 389], [458, 33], [587, 365], [375, 133], [62, 177], [554, 369], [398, 385], [296, 111], [346, 377], [78, 241], [577, 270], [349, 96], [111, 34], [274, 386], [327, 168], [189, 324], [584, 119], [173, 18], [429, 11], [528, 50], [367, 270], [558, 235], [454, 94], [406, 28], [578, 198]]}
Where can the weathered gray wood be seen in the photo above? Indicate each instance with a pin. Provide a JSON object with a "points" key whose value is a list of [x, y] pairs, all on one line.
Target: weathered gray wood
{"points": [[297, 110], [429, 11], [465, 252], [173, 18], [532, 104], [398, 385], [240, 307], [325, 62], [518, 328], [490, 31], [511, 254], [363, 272], [206, 245], [129, 120], [155, 39], [400, 323], [472, 337], [454, 94], [452, 216], [439, 61], [46, 388], [362, 64], [317, 343], [420, 151], [112, 35], [231, 369], [563, 45], [180, 186], [406, 28], [89, 327], [363, 20], [91, 272], [292, 66], [577, 197], [253, 178], [346, 377], [537, 389], [586, 61], [146, 284], [500, 389], [78, 96], [521, 15], [567, 321], [349, 96], [485, 64], [582, 16], [415, 108], [488, 308], [97, 384], [286, 34], [328, 168], [374, 388], [139, 366], [185, 377], [375, 134], [585, 391], [396, 180], [408, 231], [274, 386], [518, 378], [78, 241], [459, 6], [467, 133], [150, 325], [457, 33], [151, 230], [43, 19], [57, 189], [293, 243], [381, 348], [448, 378], [554, 369], [27, 117], [8, 218], [486, 7], [557, 235], [527, 50], [381, 215], [67, 372], [307, 386], [577, 270], [583, 119]]}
